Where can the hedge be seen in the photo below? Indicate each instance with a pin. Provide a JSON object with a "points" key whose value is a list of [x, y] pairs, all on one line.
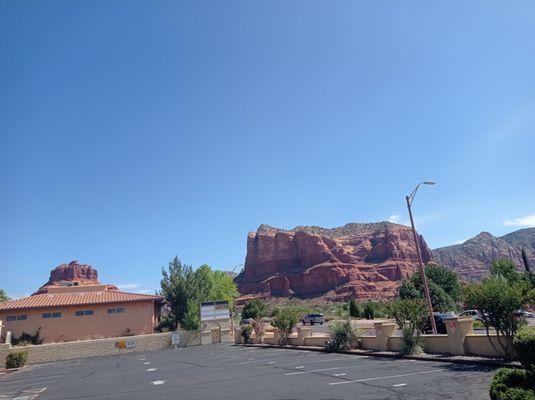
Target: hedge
{"points": [[512, 384], [16, 360], [524, 345]]}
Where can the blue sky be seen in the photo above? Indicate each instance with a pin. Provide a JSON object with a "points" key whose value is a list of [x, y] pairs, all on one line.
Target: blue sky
{"points": [[134, 131]]}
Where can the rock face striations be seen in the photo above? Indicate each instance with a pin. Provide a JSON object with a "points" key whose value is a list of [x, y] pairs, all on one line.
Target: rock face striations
{"points": [[72, 274], [471, 259], [353, 261]]}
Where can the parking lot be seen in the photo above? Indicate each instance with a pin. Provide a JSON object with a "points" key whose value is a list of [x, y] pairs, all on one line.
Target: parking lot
{"points": [[234, 372]]}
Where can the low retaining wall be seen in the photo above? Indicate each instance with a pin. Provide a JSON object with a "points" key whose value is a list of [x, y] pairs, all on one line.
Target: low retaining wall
{"points": [[460, 340], [99, 347]]}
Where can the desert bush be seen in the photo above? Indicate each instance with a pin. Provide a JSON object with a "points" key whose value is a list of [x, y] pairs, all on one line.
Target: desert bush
{"points": [[259, 329], [412, 341], [343, 337], [524, 346], [246, 331], [284, 322], [26, 339], [513, 384], [354, 309], [16, 359], [369, 310]]}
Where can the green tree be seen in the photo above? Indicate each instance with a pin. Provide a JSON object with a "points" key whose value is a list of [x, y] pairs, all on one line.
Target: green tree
{"points": [[253, 309], [507, 269], [192, 319], [444, 287], [184, 288], [3, 296], [497, 301], [177, 286]]}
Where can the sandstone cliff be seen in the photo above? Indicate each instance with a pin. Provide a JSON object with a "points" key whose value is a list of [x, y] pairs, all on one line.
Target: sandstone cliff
{"points": [[72, 273], [471, 259], [354, 261]]}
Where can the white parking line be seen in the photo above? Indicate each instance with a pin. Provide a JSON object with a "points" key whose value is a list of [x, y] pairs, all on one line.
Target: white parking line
{"points": [[399, 384], [341, 374], [158, 382], [147, 363], [386, 377], [314, 370], [151, 369]]}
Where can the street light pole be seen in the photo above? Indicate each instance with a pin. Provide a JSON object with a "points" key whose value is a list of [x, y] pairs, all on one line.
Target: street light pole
{"points": [[410, 199]]}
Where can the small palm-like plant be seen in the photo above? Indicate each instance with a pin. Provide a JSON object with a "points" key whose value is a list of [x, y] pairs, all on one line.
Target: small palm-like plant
{"points": [[259, 329], [343, 337], [412, 343]]}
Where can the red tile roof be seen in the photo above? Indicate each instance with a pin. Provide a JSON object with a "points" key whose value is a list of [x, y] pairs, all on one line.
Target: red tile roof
{"points": [[77, 299]]}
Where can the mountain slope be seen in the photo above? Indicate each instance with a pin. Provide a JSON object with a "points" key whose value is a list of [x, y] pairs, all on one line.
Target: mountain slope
{"points": [[471, 259]]}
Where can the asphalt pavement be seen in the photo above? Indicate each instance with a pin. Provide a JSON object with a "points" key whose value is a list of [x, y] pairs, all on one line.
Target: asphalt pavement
{"points": [[236, 372]]}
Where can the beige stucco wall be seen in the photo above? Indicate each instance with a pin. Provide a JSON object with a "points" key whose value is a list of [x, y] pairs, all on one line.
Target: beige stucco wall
{"points": [[138, 318], [436, 343], [99, 347], [480, 345]]}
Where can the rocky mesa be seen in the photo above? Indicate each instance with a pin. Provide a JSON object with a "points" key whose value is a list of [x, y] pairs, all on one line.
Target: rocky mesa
{"points": [[361, 261]]}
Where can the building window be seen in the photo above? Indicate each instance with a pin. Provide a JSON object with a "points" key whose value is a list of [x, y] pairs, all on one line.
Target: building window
{"points": [[17, 317], [116, 310], [81, 313], [52, 315]]}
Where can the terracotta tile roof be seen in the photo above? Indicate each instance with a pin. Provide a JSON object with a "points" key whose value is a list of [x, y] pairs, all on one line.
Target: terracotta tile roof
{"points": [[77, 299]]}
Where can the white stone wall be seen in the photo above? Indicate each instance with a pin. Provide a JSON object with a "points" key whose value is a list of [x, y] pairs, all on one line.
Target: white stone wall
{"points": [[98, 347]]}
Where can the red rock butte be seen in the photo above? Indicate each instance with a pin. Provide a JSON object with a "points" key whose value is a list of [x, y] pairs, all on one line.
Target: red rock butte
{"points": [[362, 261], [72, 274]]}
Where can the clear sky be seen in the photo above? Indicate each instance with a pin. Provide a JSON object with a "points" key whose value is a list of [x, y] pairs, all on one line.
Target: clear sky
{"points": [[133, 131]]}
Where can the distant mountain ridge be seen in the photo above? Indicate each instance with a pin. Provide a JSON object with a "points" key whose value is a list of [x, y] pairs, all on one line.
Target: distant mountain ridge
{"points": [[472, 258]]}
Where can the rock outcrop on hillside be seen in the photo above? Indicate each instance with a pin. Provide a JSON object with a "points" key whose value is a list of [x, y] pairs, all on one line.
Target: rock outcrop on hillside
{"points": [[74, 274], [471, 259], [354, 261]]}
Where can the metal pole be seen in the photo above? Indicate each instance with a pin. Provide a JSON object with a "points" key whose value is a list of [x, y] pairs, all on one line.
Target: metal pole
{"points": [[421, 268]]}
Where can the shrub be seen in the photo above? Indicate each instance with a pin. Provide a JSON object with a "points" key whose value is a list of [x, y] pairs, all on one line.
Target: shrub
{"points": [[17, 359], [354, 309], [284, 322], [478, 324], [26, 339], [369, 310], [412, 341], [524, 346], [259, 329], [253, 309], [246, 331], [343, 337], [512, 384]]}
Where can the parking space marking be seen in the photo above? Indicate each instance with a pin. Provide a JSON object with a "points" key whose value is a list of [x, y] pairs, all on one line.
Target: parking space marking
{"points": [[314, 370], [399, 384], [318, 361], [147, 363], [158, 382], [340, 374], [386, 377], [151, 369], [300, 366]]}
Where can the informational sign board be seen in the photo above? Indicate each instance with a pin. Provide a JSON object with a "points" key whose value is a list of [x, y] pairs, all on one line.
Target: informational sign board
{"points": [[214, 310], [175, 339]]}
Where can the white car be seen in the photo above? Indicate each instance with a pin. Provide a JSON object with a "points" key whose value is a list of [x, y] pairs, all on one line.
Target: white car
{"points": [[476, 315]]}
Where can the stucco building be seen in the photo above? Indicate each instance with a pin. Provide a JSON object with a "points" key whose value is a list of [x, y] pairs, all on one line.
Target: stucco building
{"points": [[77, 309]]}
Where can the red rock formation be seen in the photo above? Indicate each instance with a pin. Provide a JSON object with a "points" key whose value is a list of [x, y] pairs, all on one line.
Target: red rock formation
{"points": [[356, 260], [74, 274]]}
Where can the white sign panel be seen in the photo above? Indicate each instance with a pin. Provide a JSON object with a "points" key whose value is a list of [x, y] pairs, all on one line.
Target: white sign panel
{"points": [[213, 310]]}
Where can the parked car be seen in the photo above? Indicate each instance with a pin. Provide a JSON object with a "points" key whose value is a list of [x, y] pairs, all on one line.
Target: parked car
{"points": [[312, 319], [524, 314], [439, 322], [476, 315]]}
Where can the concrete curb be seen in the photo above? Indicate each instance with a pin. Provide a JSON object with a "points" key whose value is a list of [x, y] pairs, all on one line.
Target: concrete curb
{"points": [[378, 354]]}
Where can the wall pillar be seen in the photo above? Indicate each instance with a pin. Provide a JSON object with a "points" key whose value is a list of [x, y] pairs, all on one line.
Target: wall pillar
{"points": [[302, 333], [383, 330], [237, 336], [458, 328]]}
